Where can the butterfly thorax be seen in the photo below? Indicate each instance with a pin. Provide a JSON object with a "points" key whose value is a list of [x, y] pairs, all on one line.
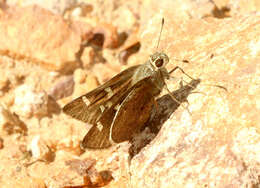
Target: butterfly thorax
{"points": [[156, 76]]}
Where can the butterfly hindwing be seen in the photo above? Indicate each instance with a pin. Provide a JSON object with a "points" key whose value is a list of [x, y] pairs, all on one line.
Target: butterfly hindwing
{"points": [[133, 112], [125, 118], [98, 136]]}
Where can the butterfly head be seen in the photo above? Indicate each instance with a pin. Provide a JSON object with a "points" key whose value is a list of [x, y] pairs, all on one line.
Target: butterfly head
{"points": [[159, 60]]}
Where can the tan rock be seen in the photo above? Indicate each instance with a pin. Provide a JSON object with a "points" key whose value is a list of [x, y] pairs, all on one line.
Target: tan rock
{"points": [[119, 13], [238, 6], [217, 144], [130, 46], [66, 133], [38, 35], [79, 9], [79, 76], [125, 18], [56, 6], [110, 34], [84, 82], [29, 182], [87, 57], [180, 10]]}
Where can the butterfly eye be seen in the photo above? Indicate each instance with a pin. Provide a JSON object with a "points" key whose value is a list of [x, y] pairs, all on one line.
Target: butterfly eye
{"points": [[159, 62]]}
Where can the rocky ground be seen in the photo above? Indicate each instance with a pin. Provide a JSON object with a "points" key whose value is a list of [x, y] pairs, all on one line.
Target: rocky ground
{"points": [[54, 51]]}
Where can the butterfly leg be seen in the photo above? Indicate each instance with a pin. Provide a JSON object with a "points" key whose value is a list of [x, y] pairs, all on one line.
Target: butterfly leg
{"points": [[176, 99], [182, 80], [177, 67], [187, 83]]}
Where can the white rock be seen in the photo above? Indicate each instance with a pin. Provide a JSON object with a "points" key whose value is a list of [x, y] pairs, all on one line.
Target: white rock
{"points": [[28, 103], [40, 150]]}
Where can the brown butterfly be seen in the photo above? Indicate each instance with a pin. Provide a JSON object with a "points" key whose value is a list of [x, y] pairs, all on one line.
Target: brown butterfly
{"points": [[120, 107]]}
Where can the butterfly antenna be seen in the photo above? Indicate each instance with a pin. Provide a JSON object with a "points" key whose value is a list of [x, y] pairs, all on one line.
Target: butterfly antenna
{"points": [[160, 34]]}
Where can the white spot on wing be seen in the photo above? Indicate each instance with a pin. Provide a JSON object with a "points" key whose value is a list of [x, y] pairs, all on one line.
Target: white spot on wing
{"points": [[99, 126], [109, 92], [102, 108], [85, 100], [109, 104], [117, 107]]}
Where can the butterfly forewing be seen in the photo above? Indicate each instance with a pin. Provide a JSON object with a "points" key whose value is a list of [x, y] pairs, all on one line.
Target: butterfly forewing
{"points": [[89, 107]]}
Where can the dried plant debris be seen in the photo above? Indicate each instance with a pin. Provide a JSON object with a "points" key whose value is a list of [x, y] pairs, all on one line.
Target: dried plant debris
{"points": [[11, 123], [91, 177], [1, 143]]}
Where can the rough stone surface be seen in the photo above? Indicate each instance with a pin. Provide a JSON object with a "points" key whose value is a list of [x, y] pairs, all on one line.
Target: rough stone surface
{"points": [[87, 57], [28, 102], [218, 144], [179, 9], [215, 145], [63, 88], [238, 6], [38, 35], [82, 81], [40, 150], [10, 122], [56, 6]]}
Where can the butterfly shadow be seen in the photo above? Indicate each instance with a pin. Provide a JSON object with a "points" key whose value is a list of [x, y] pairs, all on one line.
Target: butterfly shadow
{"points": [[160, 113]]}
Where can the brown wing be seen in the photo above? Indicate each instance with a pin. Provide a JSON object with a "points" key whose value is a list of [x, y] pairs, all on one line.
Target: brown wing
{"points": [[98, 136], [133, 112], [100, 97]]}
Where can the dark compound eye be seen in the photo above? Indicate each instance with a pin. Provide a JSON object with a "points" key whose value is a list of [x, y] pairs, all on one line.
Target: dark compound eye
{"points": [[159, 62]]}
